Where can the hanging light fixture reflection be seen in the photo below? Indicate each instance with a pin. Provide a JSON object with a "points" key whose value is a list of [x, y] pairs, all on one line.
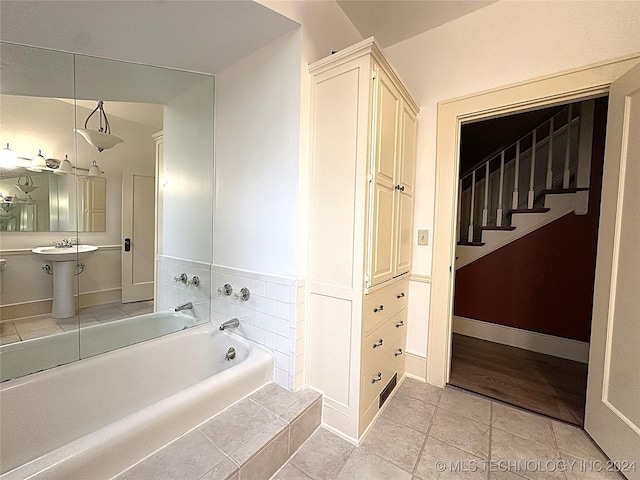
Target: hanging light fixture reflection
{"points": [[102, 138], [94, 170], [8, 158], [65, 166], [38, 162]]}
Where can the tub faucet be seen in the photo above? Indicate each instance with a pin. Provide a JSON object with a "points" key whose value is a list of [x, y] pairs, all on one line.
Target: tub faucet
{"points": [[234, 322], [184, 306]]}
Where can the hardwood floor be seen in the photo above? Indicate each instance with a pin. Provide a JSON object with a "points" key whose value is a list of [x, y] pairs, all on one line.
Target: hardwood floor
{"points": [[541, 383]]}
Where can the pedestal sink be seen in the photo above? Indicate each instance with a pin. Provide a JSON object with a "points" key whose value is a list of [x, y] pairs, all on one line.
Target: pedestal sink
{"points": [[63, 261]]}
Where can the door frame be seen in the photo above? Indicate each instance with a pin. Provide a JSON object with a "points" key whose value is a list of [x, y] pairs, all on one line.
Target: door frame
{"points": [[574, 85]]}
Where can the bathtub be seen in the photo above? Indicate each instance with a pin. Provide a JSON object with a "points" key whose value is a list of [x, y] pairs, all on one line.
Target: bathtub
{"points": [[93, 418], [29, 356]]}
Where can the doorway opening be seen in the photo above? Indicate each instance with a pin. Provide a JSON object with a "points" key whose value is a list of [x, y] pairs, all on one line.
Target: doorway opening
{"points": [[529, 203]]}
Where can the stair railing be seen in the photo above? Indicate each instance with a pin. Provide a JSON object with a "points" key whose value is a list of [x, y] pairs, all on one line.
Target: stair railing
{"points": [[467, 210]]}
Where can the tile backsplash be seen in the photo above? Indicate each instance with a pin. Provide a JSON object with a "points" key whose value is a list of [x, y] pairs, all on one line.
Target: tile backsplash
{"points": [[172, 293], [271, 316]]}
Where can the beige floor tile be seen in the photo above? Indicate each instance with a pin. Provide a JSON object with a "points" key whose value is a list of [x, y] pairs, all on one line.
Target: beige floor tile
{"points": [[34, 323], [420, 390], [289, 472], [362, 465], [274, 398], [441, 461], [466, 404], [579, 469], [43, 332], [461, 432], [7, 339], [323, 455], [576, 442], [236, 425], [410, 412], [524, 424], [8, 328], [269, 460], [499, 475], [524, 457], [188, 458], [395, 442], [225, 470]]}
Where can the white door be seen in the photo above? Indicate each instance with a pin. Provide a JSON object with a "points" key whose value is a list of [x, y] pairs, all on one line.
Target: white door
{"points": [[613, 390], [138, 231]]}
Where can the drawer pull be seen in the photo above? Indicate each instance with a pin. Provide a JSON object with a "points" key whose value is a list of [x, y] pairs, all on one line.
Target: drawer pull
{"points": [[398, 353], [378, 309], [378, 344], [401, 295], [400, 324], [377, 379]]}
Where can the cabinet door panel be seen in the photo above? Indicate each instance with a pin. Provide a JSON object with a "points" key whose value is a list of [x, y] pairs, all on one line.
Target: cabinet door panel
{"points": [[383, 238], [405, 228], [386, 130], [407, 166]]}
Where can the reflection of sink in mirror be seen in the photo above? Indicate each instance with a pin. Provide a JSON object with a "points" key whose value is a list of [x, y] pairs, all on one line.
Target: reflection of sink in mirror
{"points": [[64, 254]]}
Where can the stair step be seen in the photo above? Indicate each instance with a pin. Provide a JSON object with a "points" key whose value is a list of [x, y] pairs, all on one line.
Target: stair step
{"points": [[506, 228], [560, 191], [471, 244], [528, 210]]}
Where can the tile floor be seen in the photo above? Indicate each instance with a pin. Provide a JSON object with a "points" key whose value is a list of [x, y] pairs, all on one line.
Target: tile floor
{"points": [[43, 325], [428, 433]]}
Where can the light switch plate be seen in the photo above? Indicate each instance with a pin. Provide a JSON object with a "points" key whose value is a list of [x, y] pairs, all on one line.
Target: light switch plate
{"points": [[423, 237]]}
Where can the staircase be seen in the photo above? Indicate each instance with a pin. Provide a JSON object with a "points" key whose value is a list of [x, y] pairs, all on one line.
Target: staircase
{"points": [[530, 183]]}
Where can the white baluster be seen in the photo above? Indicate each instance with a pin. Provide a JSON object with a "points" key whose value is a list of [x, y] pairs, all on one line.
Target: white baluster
{"points": [[532, 172], [460, 211], [485, 210], [567, 152], [499, 211], [516, 178], [550, 156], [473, 194]]}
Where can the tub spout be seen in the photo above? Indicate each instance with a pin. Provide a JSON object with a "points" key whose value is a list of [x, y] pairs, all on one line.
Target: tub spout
{"points": [[234, 322], [184, 306]]}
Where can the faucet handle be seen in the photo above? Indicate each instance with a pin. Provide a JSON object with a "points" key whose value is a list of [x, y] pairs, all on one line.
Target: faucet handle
{"points": [[181, 278]]}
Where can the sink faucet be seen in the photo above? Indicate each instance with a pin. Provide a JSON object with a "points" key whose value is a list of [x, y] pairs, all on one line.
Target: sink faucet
{"points": [[184, 306], [234, 322], [65, 243]]}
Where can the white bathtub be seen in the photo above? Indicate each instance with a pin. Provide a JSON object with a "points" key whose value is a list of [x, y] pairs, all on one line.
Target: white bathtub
{"points": [[95, 417], [29, 356]]}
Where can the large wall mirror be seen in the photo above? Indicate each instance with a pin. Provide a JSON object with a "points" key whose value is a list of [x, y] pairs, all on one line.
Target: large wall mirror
{"points": [[106, 192]]}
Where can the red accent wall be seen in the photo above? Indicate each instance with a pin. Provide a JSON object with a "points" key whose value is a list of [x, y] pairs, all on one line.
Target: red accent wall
{"points": [[542, 282]]}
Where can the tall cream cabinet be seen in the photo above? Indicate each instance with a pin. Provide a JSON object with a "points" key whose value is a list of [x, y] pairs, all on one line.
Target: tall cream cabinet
{"points": [[362, 148]]}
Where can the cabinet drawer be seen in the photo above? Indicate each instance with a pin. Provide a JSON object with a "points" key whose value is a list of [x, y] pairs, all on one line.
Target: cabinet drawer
{"points": [[375, 345], [391, 362], [383, 304]]}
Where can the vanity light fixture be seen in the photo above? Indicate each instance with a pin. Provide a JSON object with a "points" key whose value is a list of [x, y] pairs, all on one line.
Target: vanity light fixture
{"points": [[101, 138], [8, 158], [65, 166], [94, 170], [37, 163]]}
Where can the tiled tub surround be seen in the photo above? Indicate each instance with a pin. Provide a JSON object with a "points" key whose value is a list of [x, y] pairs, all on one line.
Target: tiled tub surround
{"points": [[250, 440], [422, 425], [273, 316], [172, 293], [95, 417]]}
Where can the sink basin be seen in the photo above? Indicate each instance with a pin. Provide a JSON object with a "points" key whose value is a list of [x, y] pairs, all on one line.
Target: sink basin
{"points": [[54, 254]]}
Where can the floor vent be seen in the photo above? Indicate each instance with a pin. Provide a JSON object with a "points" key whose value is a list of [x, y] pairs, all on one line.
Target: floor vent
{"points": [[388, 389]]}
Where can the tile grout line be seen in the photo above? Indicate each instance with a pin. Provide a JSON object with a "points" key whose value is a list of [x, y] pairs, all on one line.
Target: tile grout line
{"points": [[490, 439], [424, 442]]}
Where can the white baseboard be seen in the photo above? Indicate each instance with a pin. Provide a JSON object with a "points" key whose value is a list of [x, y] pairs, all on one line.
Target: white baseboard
{"points": [[416, 366], [516, 337]]}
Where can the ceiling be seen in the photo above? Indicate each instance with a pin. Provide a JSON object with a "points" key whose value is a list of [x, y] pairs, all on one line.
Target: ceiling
{"points": [[392, 21], [170, 33]]}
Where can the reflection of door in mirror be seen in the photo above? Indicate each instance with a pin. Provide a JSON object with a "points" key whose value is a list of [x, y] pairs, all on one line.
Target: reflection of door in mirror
{"points": [[94, 204]]}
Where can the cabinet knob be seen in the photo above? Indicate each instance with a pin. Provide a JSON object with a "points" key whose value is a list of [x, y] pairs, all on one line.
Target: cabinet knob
{"points": [[377, 378], [378, 309], [400, 188], [398, 353], [378, 343], [400, 324], [400, 295]]}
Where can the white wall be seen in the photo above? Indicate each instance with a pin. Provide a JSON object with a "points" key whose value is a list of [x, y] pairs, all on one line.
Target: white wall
{"points": [[503, 43], [256, 204], [187, 177]]}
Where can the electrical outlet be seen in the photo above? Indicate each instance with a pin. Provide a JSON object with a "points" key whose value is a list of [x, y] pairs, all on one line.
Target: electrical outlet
{"points": [[423, 237]]}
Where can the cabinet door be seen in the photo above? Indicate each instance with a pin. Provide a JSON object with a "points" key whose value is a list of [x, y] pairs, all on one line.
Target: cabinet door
{"points": [[406, 175], [386, 125]]}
